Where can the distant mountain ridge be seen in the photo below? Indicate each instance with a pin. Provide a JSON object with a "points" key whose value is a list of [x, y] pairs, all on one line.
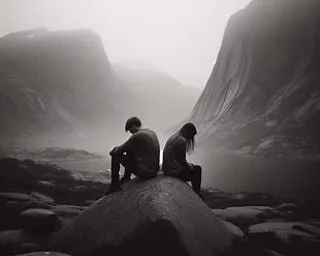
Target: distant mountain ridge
{"points": [[263, 95], [162, 100], [57, 83]]}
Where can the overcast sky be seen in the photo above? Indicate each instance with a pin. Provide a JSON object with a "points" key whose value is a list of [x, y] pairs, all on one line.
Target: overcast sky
{"points": [[180, 37]]}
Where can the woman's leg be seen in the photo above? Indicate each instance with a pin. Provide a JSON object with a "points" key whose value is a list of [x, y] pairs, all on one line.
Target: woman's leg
{"points": [[195, 178]]}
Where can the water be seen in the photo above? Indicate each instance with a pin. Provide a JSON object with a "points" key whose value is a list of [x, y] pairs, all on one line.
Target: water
{"points": [[290, 177], [89, 165]]}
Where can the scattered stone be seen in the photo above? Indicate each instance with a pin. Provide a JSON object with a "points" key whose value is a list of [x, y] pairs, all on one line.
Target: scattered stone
{"points": [[243, 216], [46, 184], [77, 207], [287, 207], [11, 208], [41, 197], [14, 237], [35, 204], [14, 241], [288, 236], [40, 220], [66, 210], [15, 197], [236, 232]]}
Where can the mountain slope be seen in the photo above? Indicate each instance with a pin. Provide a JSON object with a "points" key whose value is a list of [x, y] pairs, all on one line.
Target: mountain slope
{"points": [[68, 74], [263, 96], [163, 101]]}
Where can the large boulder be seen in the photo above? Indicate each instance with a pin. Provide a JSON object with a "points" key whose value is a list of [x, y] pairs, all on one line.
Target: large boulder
{"points": [[162, 216]]}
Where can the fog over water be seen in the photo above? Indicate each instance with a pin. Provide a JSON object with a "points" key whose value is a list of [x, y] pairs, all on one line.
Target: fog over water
{"points": [[180, 37]]}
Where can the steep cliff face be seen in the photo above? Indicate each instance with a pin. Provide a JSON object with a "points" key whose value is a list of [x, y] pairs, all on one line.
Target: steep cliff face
{"points": [[263, 96], [56, 83]]}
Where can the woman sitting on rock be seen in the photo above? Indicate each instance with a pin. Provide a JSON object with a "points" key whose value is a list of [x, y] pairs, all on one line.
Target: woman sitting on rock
{"points": [[174, 157]]}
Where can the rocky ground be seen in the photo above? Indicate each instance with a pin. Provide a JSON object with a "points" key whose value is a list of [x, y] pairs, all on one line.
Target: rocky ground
{"points": [[264, 224], [37, 200]]}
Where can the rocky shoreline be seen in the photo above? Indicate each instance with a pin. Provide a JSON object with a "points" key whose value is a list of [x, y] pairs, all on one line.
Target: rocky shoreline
{"points": [[37, 201]]}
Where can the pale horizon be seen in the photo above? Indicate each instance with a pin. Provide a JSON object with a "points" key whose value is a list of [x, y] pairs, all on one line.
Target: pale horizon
{"points": [[181, 38]]}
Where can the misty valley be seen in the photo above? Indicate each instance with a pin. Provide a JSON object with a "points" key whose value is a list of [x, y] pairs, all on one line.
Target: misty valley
{"points": [[64, 107]]}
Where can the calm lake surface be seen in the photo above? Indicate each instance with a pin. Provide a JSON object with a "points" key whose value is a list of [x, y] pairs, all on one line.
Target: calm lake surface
{"points": [[290, 177]]}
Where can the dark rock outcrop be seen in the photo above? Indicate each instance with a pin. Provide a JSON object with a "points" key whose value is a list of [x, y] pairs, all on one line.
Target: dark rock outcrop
{"points": [[20, 179], [162, 216], [263, 95]]}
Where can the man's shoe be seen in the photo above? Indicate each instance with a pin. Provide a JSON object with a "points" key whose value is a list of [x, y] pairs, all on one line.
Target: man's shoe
{"points": [[112, 188]]}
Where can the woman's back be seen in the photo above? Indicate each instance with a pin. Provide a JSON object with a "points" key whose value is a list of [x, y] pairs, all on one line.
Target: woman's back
{"points": [[174, 154]]}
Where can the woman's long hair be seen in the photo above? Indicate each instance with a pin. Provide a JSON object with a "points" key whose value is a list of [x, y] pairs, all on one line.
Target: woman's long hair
{"points": [[189, 131]]}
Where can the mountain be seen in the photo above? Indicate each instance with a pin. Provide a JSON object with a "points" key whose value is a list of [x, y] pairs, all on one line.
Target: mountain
{"points": [[263, 95], [57, 83], [162, 100]]}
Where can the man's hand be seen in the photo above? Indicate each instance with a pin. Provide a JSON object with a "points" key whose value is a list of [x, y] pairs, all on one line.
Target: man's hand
{"points": [[113, 151]]}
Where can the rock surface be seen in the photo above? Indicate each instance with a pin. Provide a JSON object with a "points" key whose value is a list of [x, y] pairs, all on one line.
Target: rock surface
{"points": [[13, 241], [15, 197], [40, 220], [236, 232], [162, 216], [295, 238], [256, 223], [262, 97], [42, 198]]}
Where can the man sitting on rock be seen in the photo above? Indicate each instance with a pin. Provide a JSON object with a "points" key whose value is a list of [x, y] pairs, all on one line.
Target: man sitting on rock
{"points": [[139, 155], [174, 157]]}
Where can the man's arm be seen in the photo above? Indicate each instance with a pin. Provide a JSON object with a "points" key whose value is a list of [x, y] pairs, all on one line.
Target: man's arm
{"points": [[125, 147]]}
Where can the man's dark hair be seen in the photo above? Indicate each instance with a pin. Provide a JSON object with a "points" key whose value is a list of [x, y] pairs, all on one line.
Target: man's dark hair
{"points": [[132, 121], [189, 130]]}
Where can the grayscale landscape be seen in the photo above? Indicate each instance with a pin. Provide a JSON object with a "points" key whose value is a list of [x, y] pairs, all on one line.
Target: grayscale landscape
{"points": [[245, 73]]}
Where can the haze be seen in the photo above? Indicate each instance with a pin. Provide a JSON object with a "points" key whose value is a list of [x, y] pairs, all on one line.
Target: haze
{"points": [[180, 37]]}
